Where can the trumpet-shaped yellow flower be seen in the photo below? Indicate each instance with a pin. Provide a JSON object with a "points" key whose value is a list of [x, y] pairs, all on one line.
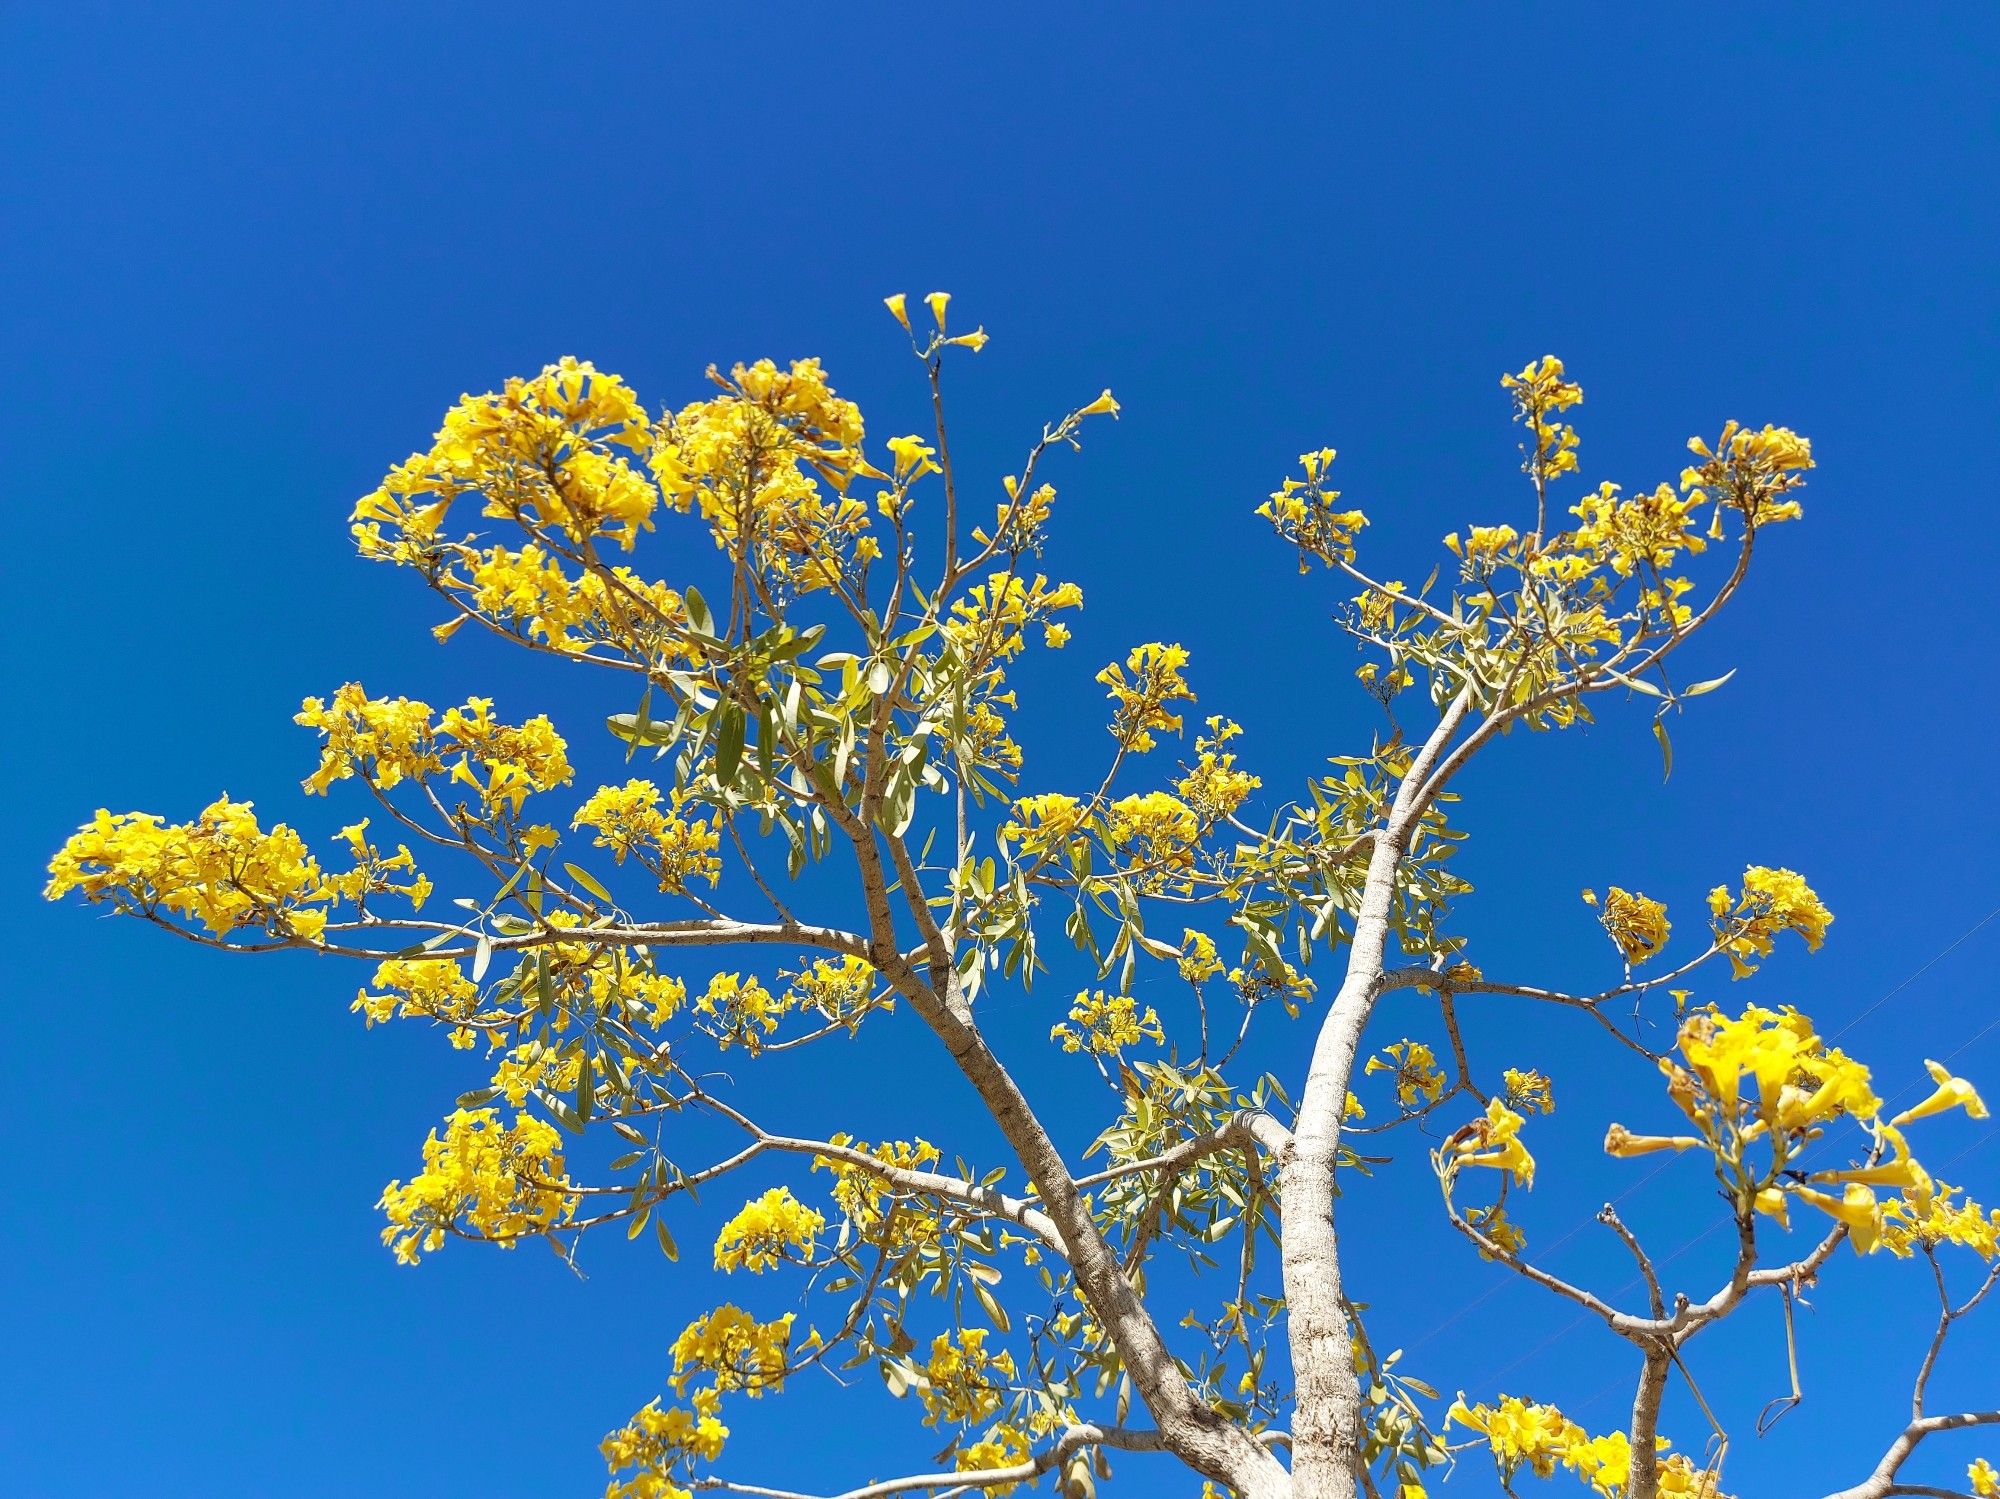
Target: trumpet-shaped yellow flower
{"points": [[1951, 1093], [1494, 1141]]}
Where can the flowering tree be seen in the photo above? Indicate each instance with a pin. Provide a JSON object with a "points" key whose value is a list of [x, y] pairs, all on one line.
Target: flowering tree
{"points": [[833, 798]]}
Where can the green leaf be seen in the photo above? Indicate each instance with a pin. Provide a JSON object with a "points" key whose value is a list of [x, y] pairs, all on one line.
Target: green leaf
{"points": [[667, 1245], [583, 878], [991, 1303], [482, 955], [729, 743], [698, 613], [1709, 686], [1666, 748]]}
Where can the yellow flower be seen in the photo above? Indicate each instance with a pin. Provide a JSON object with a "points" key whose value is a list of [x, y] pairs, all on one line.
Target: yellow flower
{"points": [[660, 1443], [1636, 924], [1108, 1024], [1003, 1446], [1156, 680], [962, 1381], [1951, 1093], [1198, 961], [1302, 512], [1856, 1207], [628, 820], [1495, 1141], [436, 988], [1621, 1142], [1772, 901], [936, 301], [898, 306], [746, 1010], [880, 1213], [222, 869], [1419, 1079], [480, 1179], [1985, 1480], [768, 1231], [1043, 824], [735, 1350], [1540, 390], [1214, 787], [1528, 1089]]}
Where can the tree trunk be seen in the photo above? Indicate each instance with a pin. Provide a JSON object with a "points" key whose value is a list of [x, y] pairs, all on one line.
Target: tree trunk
{"points": [[1327, 1419]]}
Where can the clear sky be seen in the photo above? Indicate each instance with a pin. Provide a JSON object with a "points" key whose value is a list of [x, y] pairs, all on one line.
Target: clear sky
{"points": [[252, 252]]}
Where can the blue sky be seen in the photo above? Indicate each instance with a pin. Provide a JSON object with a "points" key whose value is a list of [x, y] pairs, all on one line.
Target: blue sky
{"points": [[254, 251]]}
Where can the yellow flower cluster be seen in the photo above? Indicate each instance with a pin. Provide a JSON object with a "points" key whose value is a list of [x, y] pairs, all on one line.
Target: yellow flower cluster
{"points": [[435, 988], [751, 461], [373, 872], [1198, 962], [1494, 1141], [1155, 681], [651, 997], [1303, 512], [734, 1351], [1494, 1223], [1003, 1446], [662, 1443], [1213, 786], [991, 621], [1648, 530], [483, 1180], [628, 820], [530, 592], [770, 1230], [842, 989], [539, 452], [1419, 1079], [1287, 984], [222, 869], [533, 1066], [388, 740], [1108, 1023], [1541, 389], [1019, 523], [1636, 924], [1766, 1079], [1529, 1090], [1922, 1219], [1771, 901], [865, 1198], [1153, 831], [1043, 824], [1750, 471], [746, 1010], [962, 1381], [1523, 1434]]}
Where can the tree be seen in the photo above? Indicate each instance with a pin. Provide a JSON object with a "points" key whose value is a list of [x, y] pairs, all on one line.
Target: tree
{"points": [[834, 729]]}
